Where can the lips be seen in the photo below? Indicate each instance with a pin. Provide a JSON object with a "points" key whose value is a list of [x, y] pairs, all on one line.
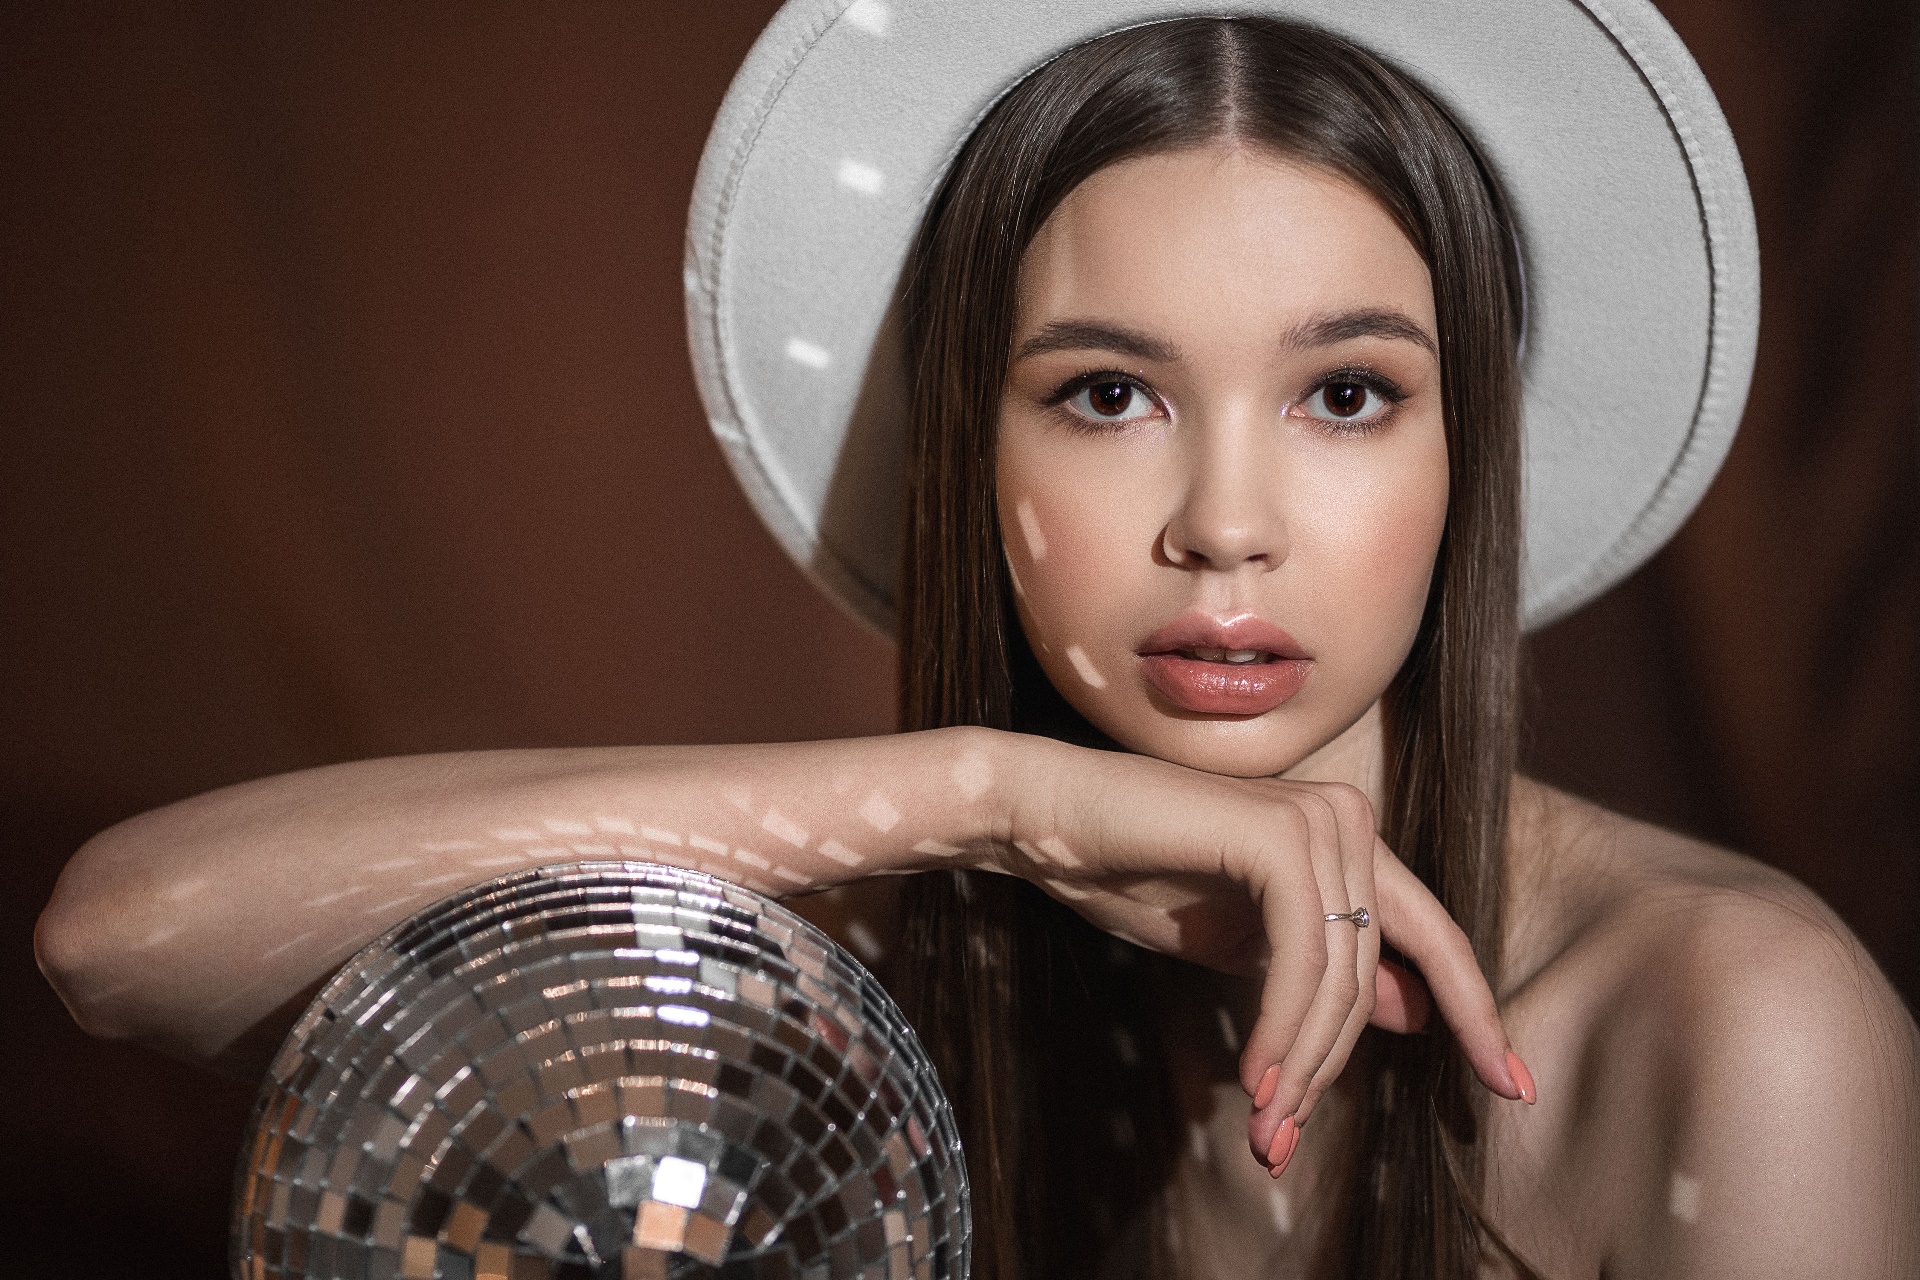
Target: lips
{"points": [[1241, 666]]}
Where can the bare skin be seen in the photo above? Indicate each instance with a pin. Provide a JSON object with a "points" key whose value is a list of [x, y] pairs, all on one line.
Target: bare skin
{"points": [[1726, 1086]]}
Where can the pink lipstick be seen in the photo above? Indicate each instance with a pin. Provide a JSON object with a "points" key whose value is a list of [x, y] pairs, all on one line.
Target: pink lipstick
{"points": [[1242, 666]]}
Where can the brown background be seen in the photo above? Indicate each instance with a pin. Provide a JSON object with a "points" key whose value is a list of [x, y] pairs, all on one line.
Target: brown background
{"points": [[348, 413]]}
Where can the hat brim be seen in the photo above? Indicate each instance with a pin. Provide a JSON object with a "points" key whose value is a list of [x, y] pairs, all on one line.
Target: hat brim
{"points": [[1636, 230]]}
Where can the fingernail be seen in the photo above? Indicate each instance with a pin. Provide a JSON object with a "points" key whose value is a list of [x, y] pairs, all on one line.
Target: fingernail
{"points": [[1285, 1139], [1522, 1078], [1268, 1083]]}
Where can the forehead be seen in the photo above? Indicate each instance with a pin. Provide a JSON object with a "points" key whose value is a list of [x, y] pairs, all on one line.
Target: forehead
{"points": [[1223, 237]]}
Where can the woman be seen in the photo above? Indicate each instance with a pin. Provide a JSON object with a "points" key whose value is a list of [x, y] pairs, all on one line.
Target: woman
{"points": [[1215, 460]]}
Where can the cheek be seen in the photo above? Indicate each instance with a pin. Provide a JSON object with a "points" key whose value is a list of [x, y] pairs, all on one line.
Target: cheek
{"points": [[1380, 534], [1074, 544]]}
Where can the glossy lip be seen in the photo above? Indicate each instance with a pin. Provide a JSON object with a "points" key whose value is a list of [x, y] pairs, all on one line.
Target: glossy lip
{"points": [[1218, 688]]}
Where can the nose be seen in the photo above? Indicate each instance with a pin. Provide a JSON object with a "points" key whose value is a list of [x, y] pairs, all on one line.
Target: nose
{"points": [[1230, 512]]}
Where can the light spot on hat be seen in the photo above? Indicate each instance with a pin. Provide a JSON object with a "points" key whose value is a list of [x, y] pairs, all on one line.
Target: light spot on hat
{"points": [[860, 177], [1683, 1198], [779, 824], [1030, 529], [1084, 668], [870, 16], [879, 813], [800, 351]]}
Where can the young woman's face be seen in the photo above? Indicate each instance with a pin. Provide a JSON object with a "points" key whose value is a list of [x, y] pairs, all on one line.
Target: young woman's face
{"points": [[1222, 466]]}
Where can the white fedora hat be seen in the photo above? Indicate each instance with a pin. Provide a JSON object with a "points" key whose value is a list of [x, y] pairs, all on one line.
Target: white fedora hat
{"points": [[1642, 274]]}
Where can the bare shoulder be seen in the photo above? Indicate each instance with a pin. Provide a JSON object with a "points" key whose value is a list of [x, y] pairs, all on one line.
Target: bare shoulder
{"points": [[1737, 1079]]}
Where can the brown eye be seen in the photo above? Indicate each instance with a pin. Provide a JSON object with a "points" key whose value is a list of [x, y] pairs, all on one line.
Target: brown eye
{"points": [[1344, 399], [1345, 402], [1111, 401]]}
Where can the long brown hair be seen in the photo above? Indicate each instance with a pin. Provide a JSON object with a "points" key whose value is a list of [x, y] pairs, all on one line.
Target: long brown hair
{"points": [[1012, 988]]}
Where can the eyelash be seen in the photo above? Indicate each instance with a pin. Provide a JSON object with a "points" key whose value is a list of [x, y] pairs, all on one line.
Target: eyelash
{"points": [[1356, 375], [1073, 386], [1360, 376]]}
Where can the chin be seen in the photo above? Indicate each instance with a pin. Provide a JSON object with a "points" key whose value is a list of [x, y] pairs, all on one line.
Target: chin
{"points": [[1250, 748]]}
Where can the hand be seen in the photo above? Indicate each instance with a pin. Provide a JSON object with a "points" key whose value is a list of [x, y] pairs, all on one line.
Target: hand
{"points": [[1239, 875]]}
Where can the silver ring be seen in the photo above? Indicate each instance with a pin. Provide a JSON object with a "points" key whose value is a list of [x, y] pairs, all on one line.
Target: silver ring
{"points": [[1359, 915]]}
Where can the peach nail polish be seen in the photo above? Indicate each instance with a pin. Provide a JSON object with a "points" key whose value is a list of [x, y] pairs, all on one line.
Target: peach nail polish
{"points": [[1285, 1139], [1268, 1084], [1522, 1078]]}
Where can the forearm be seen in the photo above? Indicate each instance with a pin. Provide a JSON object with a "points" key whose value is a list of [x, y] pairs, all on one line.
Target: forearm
{"points": [[189, 925]]}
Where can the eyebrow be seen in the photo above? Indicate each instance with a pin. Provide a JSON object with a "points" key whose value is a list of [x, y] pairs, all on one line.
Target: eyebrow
{"points": [[1319, 331], [1371, 322], [1080, 335]]}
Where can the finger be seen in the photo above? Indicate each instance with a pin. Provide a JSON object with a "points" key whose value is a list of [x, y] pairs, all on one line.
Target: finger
{"points": [[1284, 1086], [1356, 818], [1414, 921], [1400, 1000], [1284, 893]]}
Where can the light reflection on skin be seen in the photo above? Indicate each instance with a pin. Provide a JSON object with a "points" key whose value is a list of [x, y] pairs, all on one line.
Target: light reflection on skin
{"points": [[972, 775], [779, 825], [1084, 668], [1683, 1199], [1030, 526], [878, 812]]}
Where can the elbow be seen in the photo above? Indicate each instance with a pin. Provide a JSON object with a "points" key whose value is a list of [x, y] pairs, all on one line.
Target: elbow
{"points": [[80, 951]]}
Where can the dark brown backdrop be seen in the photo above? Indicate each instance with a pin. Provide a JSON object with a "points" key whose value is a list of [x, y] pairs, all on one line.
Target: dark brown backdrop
{"points": [[348, 413]]}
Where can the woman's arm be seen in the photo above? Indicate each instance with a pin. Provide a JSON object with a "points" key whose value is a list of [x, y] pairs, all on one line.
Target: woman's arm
{"points": [[201, 928], [187, 926]]}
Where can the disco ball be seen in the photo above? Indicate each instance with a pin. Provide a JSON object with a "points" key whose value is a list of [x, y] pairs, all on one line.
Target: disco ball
{"points": [[603, 1071]]}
